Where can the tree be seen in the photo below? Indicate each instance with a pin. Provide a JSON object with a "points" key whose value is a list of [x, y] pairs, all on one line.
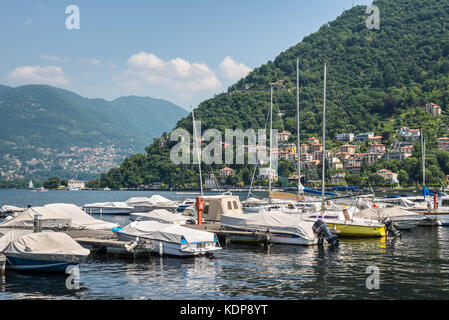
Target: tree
{"points": [[402, 177]]}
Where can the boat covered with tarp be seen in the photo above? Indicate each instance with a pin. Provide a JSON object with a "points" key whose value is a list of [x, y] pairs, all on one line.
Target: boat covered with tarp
{"points": [[41, 251], [402, 219], [145, 204], [119, 208], [57, 216], [171, 239], [163, 216], [282, 227]]}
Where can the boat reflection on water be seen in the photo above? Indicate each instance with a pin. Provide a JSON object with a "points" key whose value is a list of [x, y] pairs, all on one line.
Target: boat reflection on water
{"points": [[15, 285]]}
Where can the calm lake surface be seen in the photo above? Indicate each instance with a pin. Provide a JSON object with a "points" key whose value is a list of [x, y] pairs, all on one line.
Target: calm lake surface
{"points": [[415, 266]]}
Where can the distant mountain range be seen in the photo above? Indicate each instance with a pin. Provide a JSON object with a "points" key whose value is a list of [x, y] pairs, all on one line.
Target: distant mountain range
{"points": [[43, 122]]}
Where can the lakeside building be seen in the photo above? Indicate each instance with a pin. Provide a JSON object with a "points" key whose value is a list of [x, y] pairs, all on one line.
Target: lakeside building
{"points": [[443, 143], [347, 137], [335, 163], [283, 136], [338, 178], [349, 148], [372, 157], [264, 173], [314, 140], [388, 175], [364, 137], [72, 183], [377, 148], [433, 109], [409, 134], [226, 172], [376, 139]]}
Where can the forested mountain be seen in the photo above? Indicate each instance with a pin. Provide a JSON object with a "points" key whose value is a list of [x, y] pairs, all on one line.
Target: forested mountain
{"points": [[378, 79], [43, 123]]}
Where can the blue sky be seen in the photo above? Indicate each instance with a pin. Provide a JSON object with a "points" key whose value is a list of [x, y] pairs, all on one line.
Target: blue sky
{"points": [[184, 51]]}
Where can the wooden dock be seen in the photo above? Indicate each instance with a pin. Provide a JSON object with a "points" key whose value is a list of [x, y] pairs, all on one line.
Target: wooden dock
{"points": [[228, 236], [114, 247]]}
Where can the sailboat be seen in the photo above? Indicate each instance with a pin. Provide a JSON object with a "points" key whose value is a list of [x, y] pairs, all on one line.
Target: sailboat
{"points": [[30, 185], [342, 221]]}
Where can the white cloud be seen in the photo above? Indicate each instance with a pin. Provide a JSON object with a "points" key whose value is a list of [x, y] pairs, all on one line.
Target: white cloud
{"points": [[95, 62], [146, 69], [28, 21], [50, 75], [232, 70]]}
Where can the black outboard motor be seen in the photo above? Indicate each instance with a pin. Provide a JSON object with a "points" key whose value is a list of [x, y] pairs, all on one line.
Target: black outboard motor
{"points": [[322, 231], [389, 225]]}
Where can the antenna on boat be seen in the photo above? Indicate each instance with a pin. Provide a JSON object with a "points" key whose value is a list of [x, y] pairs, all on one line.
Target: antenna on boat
{"points": [[324, 140], [198, 151]]}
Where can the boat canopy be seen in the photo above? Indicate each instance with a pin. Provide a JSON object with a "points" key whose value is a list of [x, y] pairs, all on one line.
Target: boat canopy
{"points": [[161, 215], [167, 232], [216, 206], [108, 205], [275, 221], [55, 246], [49, 219]]}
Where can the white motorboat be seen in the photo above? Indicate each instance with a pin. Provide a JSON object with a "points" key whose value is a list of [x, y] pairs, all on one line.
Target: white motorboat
{"points": [[170, 239], [113, 208]]}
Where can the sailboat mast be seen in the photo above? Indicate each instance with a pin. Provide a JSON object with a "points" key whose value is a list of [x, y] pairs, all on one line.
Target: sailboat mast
{"points": [[324, 140], [271, 137], [423, 151], [198, 151], [297, 128]]}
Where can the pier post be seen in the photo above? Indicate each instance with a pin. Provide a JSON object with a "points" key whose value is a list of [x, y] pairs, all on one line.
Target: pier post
{"points": [[37, 223]]}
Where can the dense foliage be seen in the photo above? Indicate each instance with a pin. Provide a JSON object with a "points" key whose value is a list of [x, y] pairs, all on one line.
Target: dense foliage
{"points": [[378, 81]]}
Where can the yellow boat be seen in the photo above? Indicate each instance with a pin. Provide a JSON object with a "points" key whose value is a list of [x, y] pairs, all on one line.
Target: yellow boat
{"points": [[346, 226], [353, 230]]}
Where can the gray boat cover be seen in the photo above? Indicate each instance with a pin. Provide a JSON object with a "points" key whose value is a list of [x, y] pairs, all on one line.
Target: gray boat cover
{"points": [[275, 221], [166, 232], [58, 215], [154, 200], [48, 246], [49, 219], [80, 219], [392, 213], [109, 205], [161, 215]]}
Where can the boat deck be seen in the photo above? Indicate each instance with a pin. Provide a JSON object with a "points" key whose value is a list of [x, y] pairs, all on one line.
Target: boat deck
{"points": [[113, 246]]}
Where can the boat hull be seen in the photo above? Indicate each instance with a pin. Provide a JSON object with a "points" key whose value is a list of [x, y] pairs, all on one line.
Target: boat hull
{"points": [[27, 265], [111, 211], [274, 237], [357, 231]]}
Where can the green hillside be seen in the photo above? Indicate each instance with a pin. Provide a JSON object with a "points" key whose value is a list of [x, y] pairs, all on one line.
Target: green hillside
{"points": [[377, 81], [37, 117]]}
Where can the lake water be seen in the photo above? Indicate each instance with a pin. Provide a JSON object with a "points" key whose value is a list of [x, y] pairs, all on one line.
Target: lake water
{"points": [[415, 266]]}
